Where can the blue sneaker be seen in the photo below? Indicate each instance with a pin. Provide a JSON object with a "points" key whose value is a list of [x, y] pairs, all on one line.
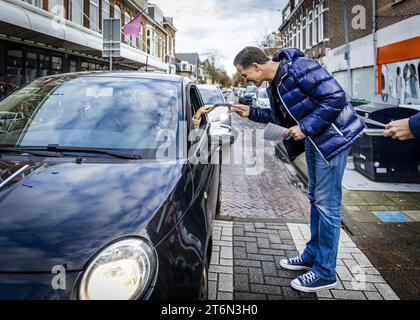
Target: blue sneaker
{"points": [[295, 263], [310, 282]]}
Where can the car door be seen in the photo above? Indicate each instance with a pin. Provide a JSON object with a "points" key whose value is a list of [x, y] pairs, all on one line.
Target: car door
{"points": [[204, 167]]}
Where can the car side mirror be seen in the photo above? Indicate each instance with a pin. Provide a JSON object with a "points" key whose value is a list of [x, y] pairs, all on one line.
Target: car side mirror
{"points": [[223, 134]]}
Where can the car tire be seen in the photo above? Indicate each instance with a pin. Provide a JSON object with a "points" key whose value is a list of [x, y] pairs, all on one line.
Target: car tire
{"points": [[204, 285]]}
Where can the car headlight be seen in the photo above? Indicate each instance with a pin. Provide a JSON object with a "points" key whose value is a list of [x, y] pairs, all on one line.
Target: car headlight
{"points": [[121, 271]]}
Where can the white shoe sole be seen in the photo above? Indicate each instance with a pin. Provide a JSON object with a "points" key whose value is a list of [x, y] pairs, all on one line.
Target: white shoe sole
{"points": [[306, 289], [293, 268]]}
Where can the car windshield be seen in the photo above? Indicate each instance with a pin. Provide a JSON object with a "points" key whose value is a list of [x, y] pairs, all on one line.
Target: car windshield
{"points": [[211, 96], [98, 112], [262, 94], [251, 89]]}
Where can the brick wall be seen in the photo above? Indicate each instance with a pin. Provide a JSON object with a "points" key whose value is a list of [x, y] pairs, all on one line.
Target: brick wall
{"points": [[389, 12]]}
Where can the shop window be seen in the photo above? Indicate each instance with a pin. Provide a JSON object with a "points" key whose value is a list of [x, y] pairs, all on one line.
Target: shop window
{"points": [[57, 65], [94, 15], [73, 66], [30, 66], [14, 70]]}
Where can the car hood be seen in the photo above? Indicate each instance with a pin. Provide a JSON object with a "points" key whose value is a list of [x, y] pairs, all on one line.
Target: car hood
{"points": [[61, 214]]}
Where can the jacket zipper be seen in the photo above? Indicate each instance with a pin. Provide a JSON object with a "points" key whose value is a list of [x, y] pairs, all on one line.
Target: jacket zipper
{"points": [[278, 92]]}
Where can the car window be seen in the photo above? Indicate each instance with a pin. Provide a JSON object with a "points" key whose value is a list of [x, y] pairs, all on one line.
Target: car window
{"points": [[101, 112], [211, 96]]}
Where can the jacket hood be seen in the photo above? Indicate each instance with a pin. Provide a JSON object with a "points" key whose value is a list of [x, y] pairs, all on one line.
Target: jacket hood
{"points": [[289, 53]]}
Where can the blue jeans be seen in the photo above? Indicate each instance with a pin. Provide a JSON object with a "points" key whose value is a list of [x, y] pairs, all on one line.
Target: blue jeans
{"points": [[324, 192]]}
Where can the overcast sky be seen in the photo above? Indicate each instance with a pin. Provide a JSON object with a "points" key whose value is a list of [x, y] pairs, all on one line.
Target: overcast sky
{"points": [[222, 27]]}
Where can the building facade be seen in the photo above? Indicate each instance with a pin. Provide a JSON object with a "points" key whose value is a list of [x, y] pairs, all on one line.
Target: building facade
{"points": [[383, 44], [42, 37], [189, 65]]}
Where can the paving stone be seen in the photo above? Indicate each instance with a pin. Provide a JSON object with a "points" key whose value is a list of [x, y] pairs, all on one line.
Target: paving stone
{"points": [[269, 268], [386, 291], [362, 260], [226, 262], [241, 282], [324, 294], [226, 253], [348, 295], [214, 258], [373, 296], [226, 238], [255, 275], [273, 252], [212, 276], [276, 281], [212, 294], [221, 269], [225, 295], [285, 235], [238, 243], [247, 263], [290, 294], [374, 279], [274, 297], [267, 231], [245, 239], [238, 270], [239, 252], [274, 239], [260, 257], [265, 289], [238, 232], [251, 247], [283, 246], [226, 282], [263, 243], [359, 286], [249, 296]]}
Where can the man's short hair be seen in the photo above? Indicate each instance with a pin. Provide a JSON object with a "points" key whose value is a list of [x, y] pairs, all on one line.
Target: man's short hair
{"points": [[249, 55]]}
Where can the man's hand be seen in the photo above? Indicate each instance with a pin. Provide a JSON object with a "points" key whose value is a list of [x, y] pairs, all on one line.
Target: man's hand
{"points": [[399, 129], [295, 133], [241, 109]]}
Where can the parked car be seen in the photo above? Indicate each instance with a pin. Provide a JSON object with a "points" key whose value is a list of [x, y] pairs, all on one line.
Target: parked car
{"points": [[100, 183], [261, 100], [249, 94], [211, 94]]}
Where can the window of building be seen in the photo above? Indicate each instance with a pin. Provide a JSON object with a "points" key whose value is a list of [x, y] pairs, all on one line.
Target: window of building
{"points": [[314, 26], [150, 35], [14, 67], [126, 20], [56, 7], [44, 65], [37, 3], [94, 15], [321, 23], [76, 11], [57, 65], [105, 9], [73, 66], [30, 66]]}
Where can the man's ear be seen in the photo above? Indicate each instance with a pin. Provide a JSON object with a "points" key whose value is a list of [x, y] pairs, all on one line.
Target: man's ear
{"points": [[257, 66]]}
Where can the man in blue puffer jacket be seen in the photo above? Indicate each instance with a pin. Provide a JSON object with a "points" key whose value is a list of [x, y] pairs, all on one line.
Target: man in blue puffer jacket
{"points": [[305, 98]]}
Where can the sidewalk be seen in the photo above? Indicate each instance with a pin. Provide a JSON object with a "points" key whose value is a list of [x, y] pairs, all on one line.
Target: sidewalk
{"points": [[264, 218], [392, 247]]}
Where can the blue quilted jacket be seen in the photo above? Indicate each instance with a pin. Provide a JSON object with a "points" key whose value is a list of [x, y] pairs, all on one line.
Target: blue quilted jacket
{"points": [[312, 98]]}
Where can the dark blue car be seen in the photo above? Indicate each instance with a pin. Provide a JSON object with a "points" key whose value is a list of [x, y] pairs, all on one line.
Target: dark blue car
{"points": [[103, 192]]}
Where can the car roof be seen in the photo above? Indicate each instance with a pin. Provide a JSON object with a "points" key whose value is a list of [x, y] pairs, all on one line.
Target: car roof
{"points": [[125, 74], [207, 86]]}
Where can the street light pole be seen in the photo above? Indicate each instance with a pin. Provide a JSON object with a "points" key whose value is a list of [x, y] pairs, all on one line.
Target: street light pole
{"points": [[347, 49]]}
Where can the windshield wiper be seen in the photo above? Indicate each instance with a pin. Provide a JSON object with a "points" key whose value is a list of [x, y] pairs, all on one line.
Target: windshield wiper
{"points": [[40, 153], [59, 149]]}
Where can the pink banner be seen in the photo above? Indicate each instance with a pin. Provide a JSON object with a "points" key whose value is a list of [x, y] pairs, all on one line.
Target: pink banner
{"points": [[132, 28]]}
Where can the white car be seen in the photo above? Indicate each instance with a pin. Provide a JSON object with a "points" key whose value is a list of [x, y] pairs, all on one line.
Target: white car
{"points": [[261, 100]]}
